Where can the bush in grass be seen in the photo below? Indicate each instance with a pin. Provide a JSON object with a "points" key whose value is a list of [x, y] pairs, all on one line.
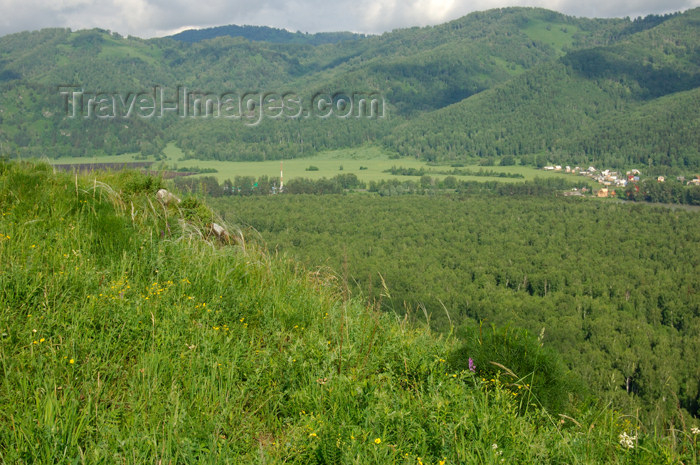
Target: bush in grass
{"points": [[133, 182], [531, 363]]}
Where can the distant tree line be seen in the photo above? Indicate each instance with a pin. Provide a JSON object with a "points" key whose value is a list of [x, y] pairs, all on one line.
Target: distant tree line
{"points": [[404, 171], [670, 191], [264, 185]]}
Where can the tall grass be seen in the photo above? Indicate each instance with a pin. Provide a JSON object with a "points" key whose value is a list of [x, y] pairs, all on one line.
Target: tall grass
{"points": [[129, 335]]}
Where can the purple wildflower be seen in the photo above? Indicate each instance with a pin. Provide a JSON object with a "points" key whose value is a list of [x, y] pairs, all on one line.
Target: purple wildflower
{"points": [[472, 365]]}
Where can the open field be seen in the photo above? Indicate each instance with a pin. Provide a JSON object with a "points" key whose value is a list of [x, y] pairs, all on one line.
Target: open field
{"points": [[558, 35], [367, 162]]}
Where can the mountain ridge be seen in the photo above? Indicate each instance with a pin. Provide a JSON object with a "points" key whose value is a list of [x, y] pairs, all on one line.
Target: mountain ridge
{"points": [[264, 34], [422, 73]]}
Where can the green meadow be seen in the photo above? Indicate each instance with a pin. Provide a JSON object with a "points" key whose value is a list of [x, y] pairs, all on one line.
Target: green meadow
{"points": [[368, 163], [557, 35]]}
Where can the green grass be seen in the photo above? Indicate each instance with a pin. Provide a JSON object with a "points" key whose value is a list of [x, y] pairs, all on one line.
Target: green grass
{"points": [[373, 158], [128, 335], [511, 68], [551, 34], [123, 158], [118, 49]]}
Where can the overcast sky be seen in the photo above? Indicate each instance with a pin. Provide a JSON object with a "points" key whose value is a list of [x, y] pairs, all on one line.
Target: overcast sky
{"points": [[151, 18]]}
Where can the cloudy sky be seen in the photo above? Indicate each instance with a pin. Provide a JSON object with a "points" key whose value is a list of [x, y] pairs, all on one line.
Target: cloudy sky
{"points": [[150, 18]]}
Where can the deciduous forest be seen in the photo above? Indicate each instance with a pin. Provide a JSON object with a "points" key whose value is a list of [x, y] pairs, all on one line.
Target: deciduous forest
{"points": [[613, 287]]}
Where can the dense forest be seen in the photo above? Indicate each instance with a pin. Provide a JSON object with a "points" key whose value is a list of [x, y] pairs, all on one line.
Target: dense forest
{"points": [[264, 34], [522, 82], [631, 103], [613, 287]]}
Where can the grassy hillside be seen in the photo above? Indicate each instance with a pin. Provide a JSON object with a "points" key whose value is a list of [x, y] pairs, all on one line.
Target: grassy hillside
{"points": [[129, 335]]}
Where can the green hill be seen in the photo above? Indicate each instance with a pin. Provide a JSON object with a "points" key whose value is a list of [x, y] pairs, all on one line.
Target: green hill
{"points": [[264, 34], [131, 335], [620, 105], [510, 81], [416, 70]]}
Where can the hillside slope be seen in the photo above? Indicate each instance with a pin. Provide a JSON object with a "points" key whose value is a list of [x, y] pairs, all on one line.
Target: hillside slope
{"points": [[510, 81], [416, 70], [621, 104], [129, 336], [263, 34]]}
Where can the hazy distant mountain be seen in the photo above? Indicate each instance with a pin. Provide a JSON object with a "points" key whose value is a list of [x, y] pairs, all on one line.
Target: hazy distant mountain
{"points": [[264, 34]]}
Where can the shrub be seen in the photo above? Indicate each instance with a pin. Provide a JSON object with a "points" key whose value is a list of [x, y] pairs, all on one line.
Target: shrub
{"points": [[533, 364]]}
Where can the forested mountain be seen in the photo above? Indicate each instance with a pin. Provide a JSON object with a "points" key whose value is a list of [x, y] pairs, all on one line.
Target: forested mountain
{"points": [[512, 81], [602, 104], [264, 34]]}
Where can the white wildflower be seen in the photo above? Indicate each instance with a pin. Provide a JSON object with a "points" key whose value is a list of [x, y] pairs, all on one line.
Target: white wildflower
{"points": [[494, 446], [695, 430], [627, 440]]}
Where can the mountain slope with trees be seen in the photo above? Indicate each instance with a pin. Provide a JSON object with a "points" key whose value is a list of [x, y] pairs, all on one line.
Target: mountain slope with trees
{"points": [[597, 105], [264, 34], [511, 81]]}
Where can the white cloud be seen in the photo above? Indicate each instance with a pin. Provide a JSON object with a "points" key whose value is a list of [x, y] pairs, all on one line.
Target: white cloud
{"points": [[148, 18]]}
